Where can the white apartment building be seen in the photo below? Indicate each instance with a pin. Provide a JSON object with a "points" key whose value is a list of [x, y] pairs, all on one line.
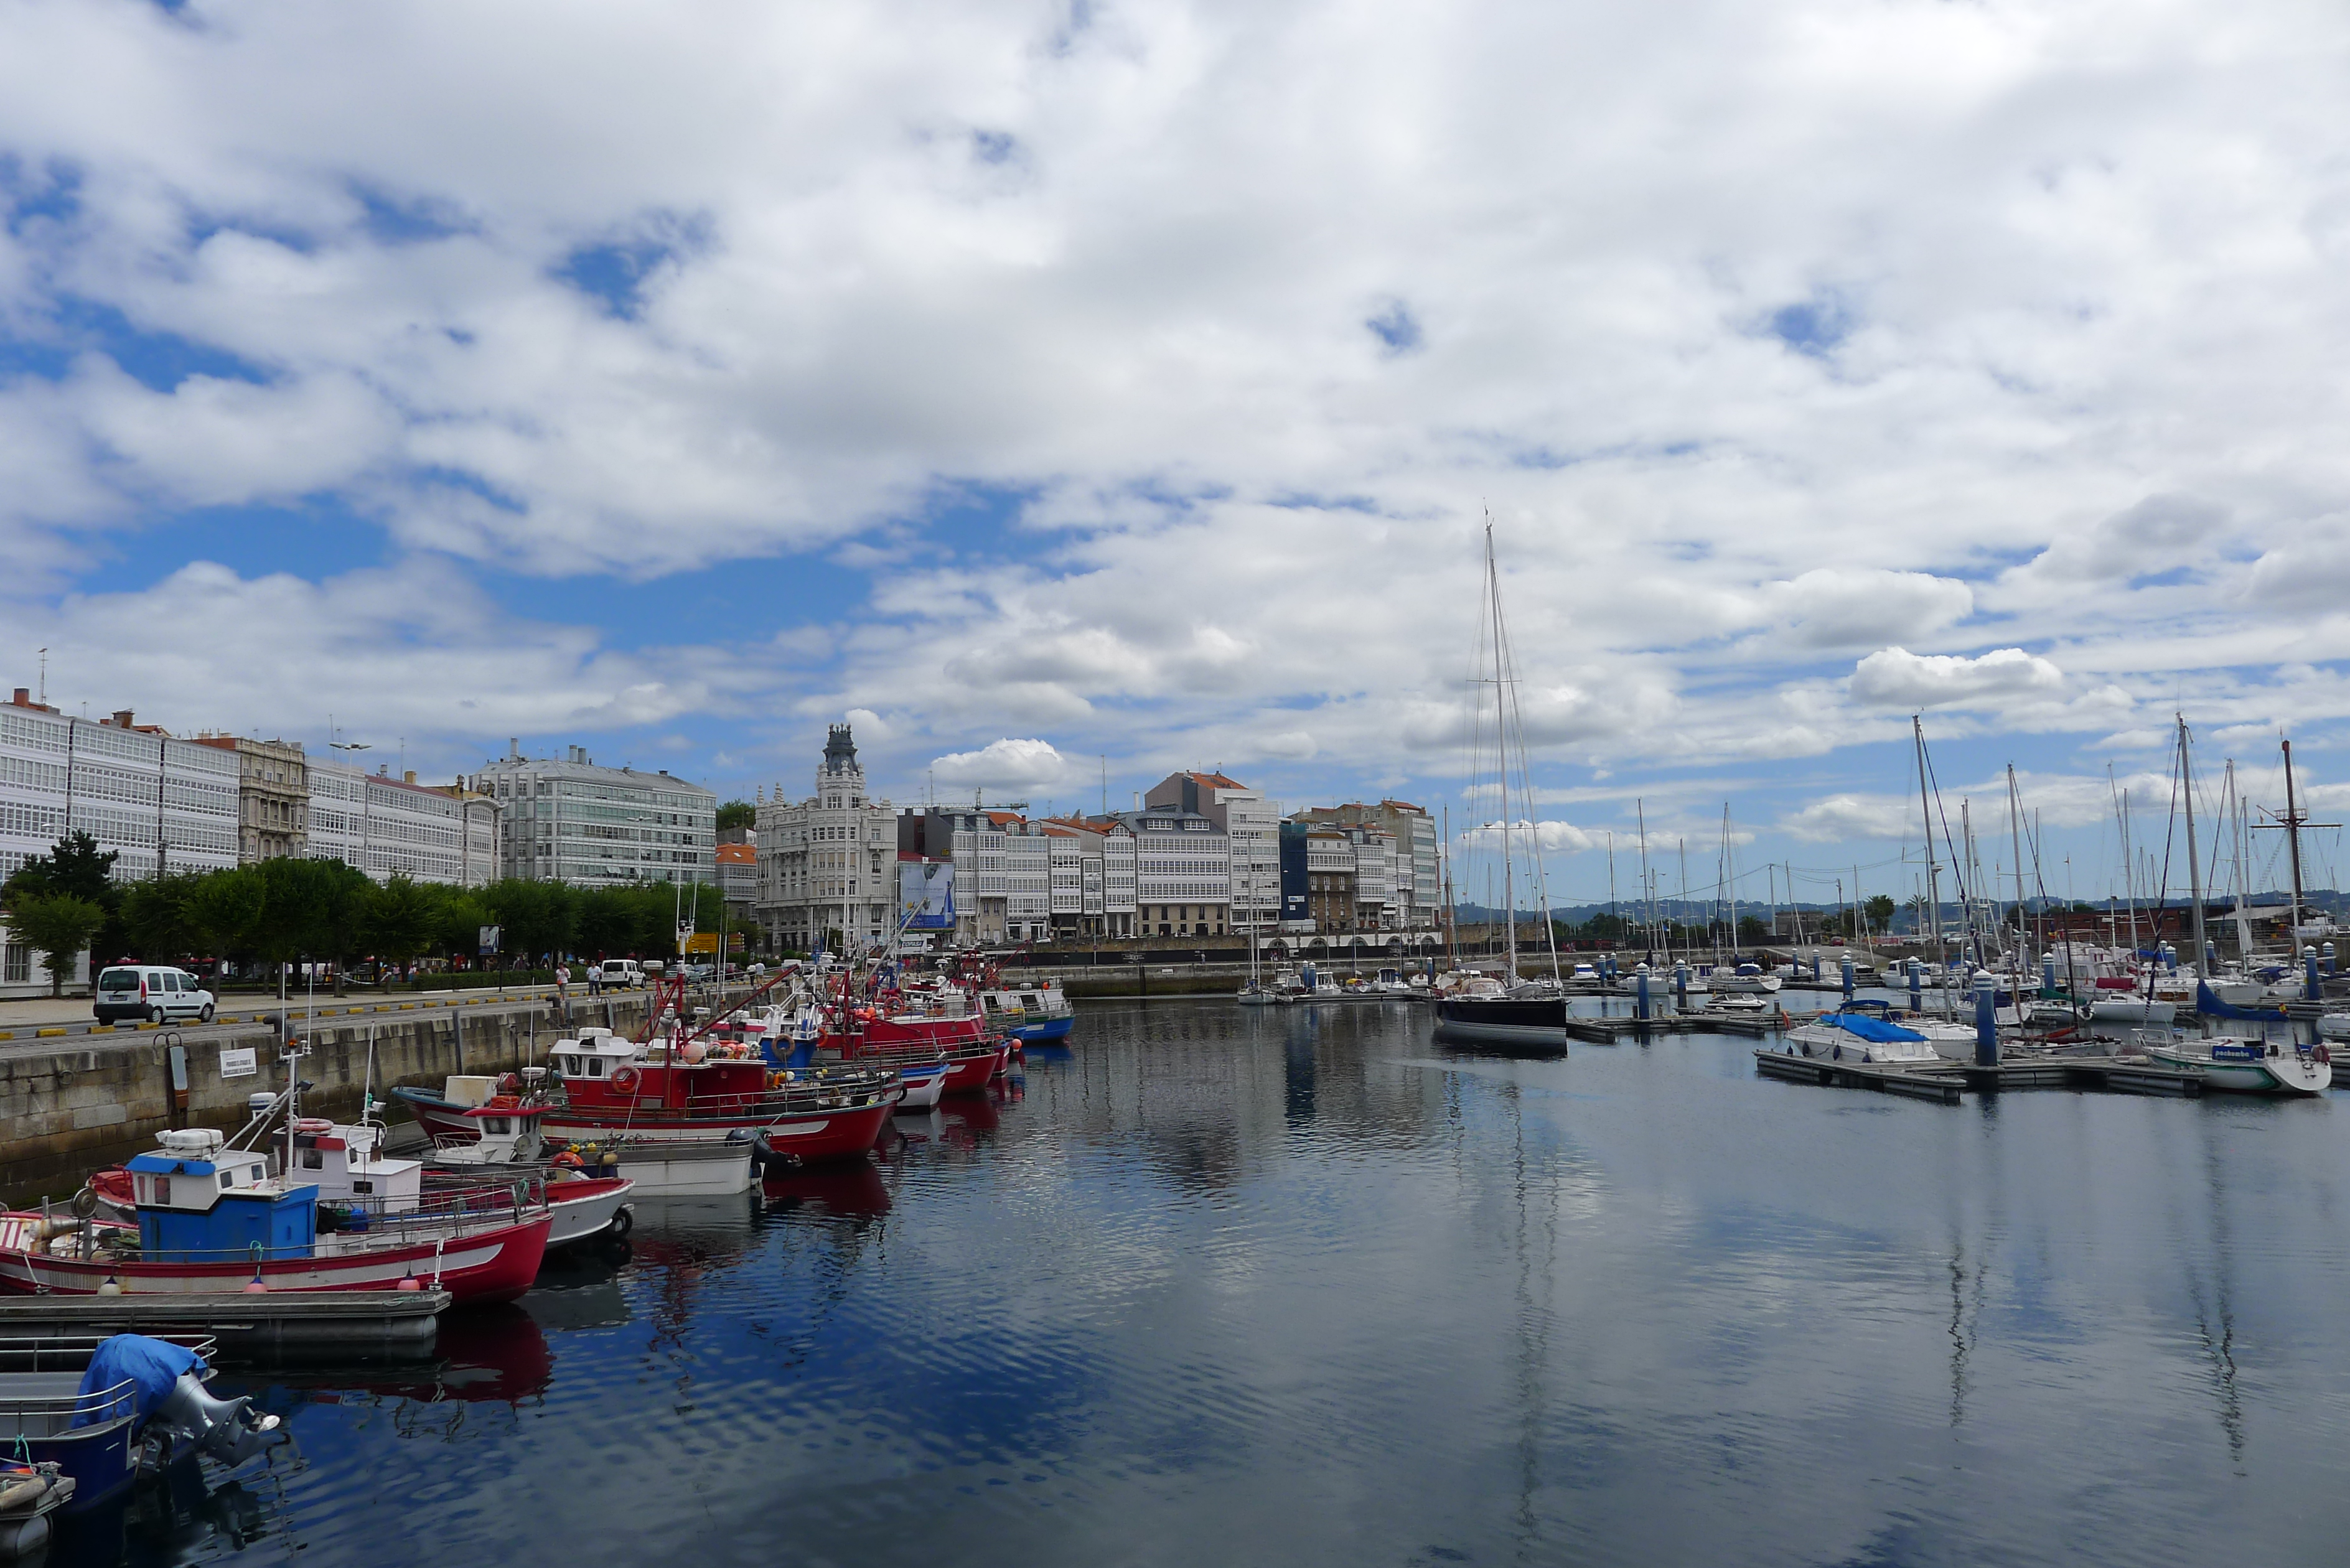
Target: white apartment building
{"points": [[572, 821], [828, 866], [390, 827], [1027, 882], [155, 801], [1417, 876], [1182, 873], [1252, 826], [1093, 878]]}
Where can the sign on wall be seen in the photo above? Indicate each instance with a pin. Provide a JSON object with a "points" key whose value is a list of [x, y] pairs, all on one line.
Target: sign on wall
{"points": [[238, 1063], [926, 895]]}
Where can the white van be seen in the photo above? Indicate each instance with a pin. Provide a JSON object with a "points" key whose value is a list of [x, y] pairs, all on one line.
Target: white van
{"points": [[619, 971], [149, 993]]}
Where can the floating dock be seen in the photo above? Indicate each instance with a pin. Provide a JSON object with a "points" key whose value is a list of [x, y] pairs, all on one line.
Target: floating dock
{"points": [[1946, 1084], [263, 1323]]}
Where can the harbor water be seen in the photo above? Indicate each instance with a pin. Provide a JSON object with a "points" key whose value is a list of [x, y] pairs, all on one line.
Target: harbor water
{"points": [[1296, 1285]]}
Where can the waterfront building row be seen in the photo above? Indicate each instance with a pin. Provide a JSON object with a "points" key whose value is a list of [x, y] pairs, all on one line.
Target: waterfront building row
{"points": [[162, 802], [569, 820]]}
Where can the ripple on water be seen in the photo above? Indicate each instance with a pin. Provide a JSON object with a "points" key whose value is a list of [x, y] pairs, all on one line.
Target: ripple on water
{"points": [[1290, 1285]]}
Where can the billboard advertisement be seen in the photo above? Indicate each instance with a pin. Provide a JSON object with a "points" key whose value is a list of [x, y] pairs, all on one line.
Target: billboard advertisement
{"points": [[926, 895]]}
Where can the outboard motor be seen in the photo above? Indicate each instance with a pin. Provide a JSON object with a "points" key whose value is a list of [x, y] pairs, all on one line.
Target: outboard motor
{"points": [[225, 1428]]}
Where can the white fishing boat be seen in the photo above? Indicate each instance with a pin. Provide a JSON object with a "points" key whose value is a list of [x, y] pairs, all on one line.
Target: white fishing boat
{"points": [[2251, 1066]]}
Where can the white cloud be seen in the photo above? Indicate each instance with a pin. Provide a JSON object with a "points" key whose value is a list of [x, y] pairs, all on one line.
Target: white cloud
{"points": [[1837, 607], [1006, 764], [1771, 336], [1897, 677], [1549, 837]]}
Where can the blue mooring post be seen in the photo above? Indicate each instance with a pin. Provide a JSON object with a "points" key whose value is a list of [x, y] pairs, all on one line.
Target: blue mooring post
{"points": [[1815, 969], [2047, 974], [2210, 958], [2309, 972], [2169, 959], [1847, 977], [1680, 985], [1986, 1024], [1641, 1003], [1916, 988], [2326, 954]]}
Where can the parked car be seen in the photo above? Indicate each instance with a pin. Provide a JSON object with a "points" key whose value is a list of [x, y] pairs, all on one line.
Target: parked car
{"points": [[149, 994], [621, 971]]}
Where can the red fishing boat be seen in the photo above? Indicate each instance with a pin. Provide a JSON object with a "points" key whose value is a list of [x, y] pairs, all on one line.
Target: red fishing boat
{"points": [[209, 1217]]}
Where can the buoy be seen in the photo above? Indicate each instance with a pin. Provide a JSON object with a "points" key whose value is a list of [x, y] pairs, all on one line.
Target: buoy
{"points": [[256, 1288], [409, 1281], [112, 1287]]}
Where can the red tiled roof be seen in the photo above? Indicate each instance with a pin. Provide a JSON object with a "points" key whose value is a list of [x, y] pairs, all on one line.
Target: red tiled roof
{"points": [[737, 855]]}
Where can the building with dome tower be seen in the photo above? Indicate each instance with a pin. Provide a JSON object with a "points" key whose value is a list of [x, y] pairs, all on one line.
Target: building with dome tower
{"points": [[828, 863]]}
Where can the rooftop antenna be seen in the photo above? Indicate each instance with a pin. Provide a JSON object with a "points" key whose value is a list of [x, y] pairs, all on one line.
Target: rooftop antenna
{"points": [[1105, 783], [45, 677]]}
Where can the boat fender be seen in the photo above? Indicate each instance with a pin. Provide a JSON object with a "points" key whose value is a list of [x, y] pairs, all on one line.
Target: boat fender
{"points": [[2322, 1055], [623, 1222], [625, 1079], [1836, 1054]]}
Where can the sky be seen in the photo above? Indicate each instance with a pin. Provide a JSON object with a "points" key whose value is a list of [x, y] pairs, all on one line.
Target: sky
{"points": [[1065, 393]]}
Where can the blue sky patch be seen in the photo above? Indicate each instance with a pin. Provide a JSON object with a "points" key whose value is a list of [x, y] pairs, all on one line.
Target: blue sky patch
{"points": [[1397, 329], [1816, 327]]}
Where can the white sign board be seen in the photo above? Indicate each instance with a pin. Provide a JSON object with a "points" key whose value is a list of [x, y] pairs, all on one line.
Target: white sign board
{"points": [[237, 1064]]}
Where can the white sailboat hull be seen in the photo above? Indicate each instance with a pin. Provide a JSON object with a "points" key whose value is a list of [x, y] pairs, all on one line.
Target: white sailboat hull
{"points": [[2289, 1071]]}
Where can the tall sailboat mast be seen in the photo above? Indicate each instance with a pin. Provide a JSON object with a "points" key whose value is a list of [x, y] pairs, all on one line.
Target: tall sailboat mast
{"points": [[2293, 841], [2194, 859], [1502, 750], [1926, 817]]}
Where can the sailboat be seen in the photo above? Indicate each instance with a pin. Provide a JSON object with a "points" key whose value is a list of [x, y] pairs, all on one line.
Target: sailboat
{"points": [[1507, 1011]]}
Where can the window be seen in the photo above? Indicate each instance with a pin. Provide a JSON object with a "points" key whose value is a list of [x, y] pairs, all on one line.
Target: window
{"points": [[313, 1160]]}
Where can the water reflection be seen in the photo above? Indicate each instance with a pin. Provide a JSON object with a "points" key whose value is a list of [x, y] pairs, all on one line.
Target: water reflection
{"points": [[1291, 1284]]}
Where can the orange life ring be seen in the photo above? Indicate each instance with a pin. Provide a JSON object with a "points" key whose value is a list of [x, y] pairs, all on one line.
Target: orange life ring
{"points": [[624, 1077]]}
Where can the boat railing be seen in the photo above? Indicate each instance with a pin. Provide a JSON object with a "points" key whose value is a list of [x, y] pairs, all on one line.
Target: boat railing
{"points": [[476, 1204], [71, 1351], [49, 1415]]}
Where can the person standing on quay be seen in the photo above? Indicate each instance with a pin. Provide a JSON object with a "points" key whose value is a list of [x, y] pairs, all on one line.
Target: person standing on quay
{"points": [[562, 991]]}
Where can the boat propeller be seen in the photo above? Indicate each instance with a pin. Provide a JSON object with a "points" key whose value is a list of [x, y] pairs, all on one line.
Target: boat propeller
{"points": [[225, 1428]]}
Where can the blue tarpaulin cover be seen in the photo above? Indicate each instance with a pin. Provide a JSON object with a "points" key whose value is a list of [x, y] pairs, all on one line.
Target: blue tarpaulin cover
{"points": [[1869, 1028], [152, 1365]]}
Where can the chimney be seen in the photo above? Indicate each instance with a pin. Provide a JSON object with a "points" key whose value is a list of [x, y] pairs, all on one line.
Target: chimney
{"points": [[514, 748], [24, 698], [123, 718], [410, 775]]}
